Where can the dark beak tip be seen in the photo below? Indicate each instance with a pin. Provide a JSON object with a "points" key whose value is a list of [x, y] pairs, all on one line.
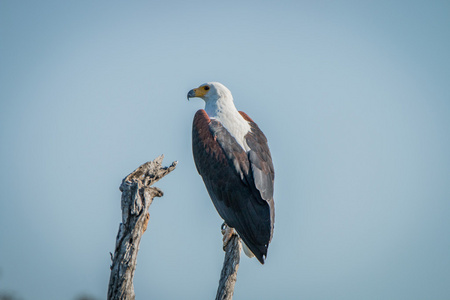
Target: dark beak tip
{"points": [[191, 94]]}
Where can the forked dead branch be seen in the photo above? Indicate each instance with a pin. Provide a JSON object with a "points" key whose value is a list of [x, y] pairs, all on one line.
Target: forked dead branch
{"points": [[137, 196]]}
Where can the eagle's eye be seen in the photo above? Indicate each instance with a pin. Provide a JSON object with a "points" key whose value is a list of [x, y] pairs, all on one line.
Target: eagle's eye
{"points": [[206, 87]]}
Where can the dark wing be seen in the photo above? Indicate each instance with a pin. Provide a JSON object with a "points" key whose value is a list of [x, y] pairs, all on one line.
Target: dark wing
{"points": [[261, 165], [235, 180]]}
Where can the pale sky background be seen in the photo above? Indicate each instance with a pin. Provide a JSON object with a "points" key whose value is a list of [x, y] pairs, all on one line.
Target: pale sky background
{"points": [[354, 97]]}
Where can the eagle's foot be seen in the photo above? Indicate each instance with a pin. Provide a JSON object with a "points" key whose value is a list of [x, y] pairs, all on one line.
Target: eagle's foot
{"points": [[227, 232]]}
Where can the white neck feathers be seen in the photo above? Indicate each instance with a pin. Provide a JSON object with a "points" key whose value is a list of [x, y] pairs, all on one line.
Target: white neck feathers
{"points": [[221, 108]]}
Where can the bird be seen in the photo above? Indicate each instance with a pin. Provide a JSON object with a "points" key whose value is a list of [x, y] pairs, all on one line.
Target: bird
{"points": [[232, 156]]}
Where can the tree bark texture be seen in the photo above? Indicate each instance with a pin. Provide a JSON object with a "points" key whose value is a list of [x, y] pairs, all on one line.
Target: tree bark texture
{"points": [[229, 270], [137, 196]]}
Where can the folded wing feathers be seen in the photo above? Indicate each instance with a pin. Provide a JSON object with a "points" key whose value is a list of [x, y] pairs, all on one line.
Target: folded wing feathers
{"points": [[242, 194]]}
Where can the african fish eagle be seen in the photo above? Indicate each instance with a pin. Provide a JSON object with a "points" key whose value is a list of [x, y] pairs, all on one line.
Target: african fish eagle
{"points": [[232, 156]]}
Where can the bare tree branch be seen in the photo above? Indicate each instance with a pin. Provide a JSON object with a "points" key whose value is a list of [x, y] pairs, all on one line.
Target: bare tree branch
{"points": [[137, 196], [230, 267]]}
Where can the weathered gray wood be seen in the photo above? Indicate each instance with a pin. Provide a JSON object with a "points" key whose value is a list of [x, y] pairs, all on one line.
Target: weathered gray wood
{"points": [[230, 267], [137, 196]]}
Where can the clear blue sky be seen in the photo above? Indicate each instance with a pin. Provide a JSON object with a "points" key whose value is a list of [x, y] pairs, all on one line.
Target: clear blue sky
{"points": [[354, 97]]}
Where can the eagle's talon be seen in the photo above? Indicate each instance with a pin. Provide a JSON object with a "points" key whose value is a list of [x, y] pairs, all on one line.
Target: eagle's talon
{"points": [[227, 232]]}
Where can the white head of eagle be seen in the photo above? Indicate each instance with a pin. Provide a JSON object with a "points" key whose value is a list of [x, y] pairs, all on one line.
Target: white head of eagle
{"points": [[233, 158]]}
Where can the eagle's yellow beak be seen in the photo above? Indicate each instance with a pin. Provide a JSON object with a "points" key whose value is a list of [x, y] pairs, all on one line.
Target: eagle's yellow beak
{"points": [[198, 92]]}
